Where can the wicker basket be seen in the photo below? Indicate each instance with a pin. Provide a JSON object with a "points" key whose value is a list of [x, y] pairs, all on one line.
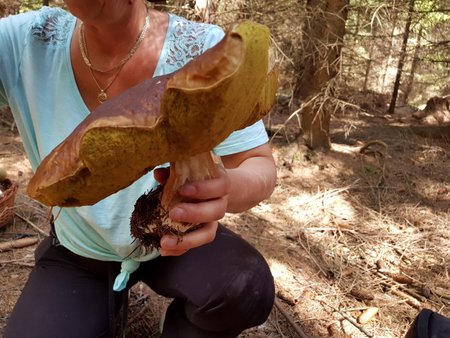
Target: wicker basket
{"points": [[9, 189]]}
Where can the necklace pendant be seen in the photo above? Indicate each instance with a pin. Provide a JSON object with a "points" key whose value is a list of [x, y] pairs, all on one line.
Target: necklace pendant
{"points": [[102, 97]]}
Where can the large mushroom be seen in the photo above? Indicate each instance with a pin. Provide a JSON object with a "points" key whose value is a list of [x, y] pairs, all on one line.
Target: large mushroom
{"points": [[176, 118]]}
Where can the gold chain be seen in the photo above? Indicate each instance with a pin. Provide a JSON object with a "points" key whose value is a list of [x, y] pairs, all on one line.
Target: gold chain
{"points": [[103, 96], [85, 54]]}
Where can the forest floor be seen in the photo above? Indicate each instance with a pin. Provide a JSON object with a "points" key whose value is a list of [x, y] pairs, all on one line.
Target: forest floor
{"points": [[363, 227]]}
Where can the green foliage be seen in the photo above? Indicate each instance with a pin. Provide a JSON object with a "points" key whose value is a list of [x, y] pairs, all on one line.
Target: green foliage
{"points": [[374, 32], [28, 5]]}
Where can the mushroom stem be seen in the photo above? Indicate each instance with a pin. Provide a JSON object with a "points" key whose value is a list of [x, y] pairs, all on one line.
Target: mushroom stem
{"points": [[195, 168], [198, 167]]}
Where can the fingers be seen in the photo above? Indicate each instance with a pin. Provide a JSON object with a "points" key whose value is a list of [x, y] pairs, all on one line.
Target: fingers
{"points": [[174, 246], [207, 189], [200, 212], [206, 201]]}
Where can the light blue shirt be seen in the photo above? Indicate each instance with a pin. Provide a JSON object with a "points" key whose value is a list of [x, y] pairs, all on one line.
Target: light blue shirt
{"points": [[37, 82]]}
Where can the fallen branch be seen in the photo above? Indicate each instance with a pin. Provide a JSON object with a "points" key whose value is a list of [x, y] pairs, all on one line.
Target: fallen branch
{"points": [[365, 149], [31, 224], [397, 276], [24, 264], [290, 320], [13, 261], [409, 299], [18, 243], [286, 298], [440, 294], [412, 297]]}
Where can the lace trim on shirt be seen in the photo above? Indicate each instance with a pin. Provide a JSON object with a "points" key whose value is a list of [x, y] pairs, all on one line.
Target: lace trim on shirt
{"points": [[51, 26], [185, 41]]}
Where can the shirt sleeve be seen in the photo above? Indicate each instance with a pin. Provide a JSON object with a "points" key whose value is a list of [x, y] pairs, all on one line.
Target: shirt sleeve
{"points": [[13, 32], [214, 35], [245, 139]]}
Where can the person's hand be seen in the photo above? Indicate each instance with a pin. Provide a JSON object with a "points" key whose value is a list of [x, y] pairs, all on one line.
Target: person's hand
{"points": [[208, 201], [176, 246]]}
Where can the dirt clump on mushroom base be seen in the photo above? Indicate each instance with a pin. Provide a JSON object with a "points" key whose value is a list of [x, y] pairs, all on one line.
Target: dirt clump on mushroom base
{"points": [[150, 221], [146, 209]]}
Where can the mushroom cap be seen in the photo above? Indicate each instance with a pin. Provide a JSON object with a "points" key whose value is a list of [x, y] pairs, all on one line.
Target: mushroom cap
{"points": [[162, 120]]}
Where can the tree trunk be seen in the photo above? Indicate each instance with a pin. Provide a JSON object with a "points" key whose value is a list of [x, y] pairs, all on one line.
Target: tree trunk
{"points": [[414, 64], [45, 2], [324, 38], [369, 59], [390, 49], [401, 60]]}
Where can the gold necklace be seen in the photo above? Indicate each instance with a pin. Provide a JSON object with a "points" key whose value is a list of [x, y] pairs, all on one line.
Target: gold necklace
{"points": [[85, 54], [102, 96]]}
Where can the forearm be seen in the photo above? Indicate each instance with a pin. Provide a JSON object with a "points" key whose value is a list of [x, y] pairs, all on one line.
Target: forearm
{"points": [[251, 182], [250, 177]]}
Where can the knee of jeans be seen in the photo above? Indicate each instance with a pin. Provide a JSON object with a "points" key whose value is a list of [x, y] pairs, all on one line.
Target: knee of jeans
{"points": [[252, 296], [244, 301]]}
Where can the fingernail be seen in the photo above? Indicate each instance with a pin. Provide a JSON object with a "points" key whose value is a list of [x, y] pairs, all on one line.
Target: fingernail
{"points": [[177, 214], [169, 242]]}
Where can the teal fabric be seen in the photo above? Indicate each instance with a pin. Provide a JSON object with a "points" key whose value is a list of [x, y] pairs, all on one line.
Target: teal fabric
{"points": [[37, 82]]}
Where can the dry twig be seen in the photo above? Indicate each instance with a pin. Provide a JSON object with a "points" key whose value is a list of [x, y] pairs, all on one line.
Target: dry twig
{"points": [[18, 243], [409, 299], [31, 224], [290, 320], [14, 261], [410, 293]]}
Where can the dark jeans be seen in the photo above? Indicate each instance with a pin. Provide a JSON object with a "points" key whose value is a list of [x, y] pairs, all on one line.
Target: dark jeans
{"points": [[429, 324], [219, 290]]}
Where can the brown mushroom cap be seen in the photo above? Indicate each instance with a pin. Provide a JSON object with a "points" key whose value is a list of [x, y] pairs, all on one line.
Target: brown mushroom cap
{"points": [[161, 120]]}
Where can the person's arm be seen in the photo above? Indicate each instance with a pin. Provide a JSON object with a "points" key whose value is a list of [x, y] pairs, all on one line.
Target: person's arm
{"points": [[248, 178], [253, 174]]}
